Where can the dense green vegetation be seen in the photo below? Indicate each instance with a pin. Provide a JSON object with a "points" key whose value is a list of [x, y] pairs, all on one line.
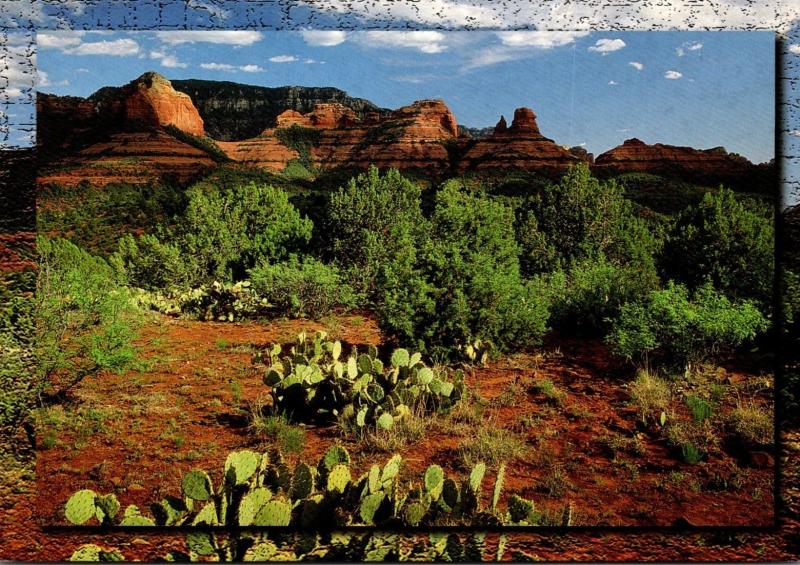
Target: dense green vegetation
{"points": [[497, 260]]}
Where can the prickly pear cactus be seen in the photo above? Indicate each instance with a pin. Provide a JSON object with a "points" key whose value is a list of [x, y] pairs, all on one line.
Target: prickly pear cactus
{"points": [[240, 466], [197, 485], [81, 507], [276, 512], [434, 481], [338, 478]]}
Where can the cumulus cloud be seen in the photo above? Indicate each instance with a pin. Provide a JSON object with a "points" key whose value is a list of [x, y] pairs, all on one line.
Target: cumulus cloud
{"points": [[539, 39], [794, 48], [252, 68], [324, 38], [688, 46], [217, 66], [236, 37], [283, 59], [44, 80], [606, 45], [636, 65], [424, 41], [118, 47], [673, 75], [58, 39], [613, 83]]}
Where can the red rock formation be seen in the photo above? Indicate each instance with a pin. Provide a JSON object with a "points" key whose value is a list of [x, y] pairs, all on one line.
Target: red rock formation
{"points": [[151, 100], [699, 165], [520, 146], [134, 158], [410, 137]]}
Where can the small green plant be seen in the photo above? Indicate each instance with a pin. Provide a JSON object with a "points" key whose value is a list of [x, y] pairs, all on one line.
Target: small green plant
{"points": [[550, 391], [289, 438], [700, 408]]}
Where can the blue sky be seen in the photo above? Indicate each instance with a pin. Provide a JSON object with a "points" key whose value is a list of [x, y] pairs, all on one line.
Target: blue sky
{"points": [[702, 89]]}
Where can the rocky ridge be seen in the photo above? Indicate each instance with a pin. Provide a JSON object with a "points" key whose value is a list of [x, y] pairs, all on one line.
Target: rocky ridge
{"points": [[122, 133]]}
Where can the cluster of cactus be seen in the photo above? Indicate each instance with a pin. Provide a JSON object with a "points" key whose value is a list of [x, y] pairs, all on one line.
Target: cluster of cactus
{"points": [[263, 490], [224, 302], [337, 546], [314, 380]]}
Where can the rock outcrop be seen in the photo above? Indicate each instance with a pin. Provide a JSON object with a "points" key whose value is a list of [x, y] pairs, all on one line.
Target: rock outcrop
{"points": [[703, 166], [233, 111], [413, 136], [519, 145], [152, 101], [129, 157]]}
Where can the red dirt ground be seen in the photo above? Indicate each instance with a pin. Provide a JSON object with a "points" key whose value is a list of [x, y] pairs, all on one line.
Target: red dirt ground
{"points": [[136, 434]]}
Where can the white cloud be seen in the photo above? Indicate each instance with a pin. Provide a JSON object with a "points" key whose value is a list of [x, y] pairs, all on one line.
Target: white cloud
{"points": [[44, 80], [251, 69], [636, 65], [672, 75], [172, 62], [424, 41], [12, 92], [312, 61], [539, 39], [438, 12], [167, 60], [217, 66], [239, 38], [324, 38], [606, 45], [613, 83], [688, 46], [795, 132], [283, 59], [794, 48], [118, 47], [81, 70], [58, 39]]}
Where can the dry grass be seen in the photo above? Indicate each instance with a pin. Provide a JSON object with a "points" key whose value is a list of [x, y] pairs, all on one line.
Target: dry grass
{"points": [[752, 423], [491, 444], [407, 431], [651, 395]]}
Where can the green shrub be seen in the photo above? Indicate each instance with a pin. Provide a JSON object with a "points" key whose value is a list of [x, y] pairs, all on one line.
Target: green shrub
{"points": [[301, 139], [473, 288], [727, 242], [302, 288], [685, 329], [230, 231], [377, 225], [85, 319], [590, 294], [221, 234], [579, 218], [145, 262]]}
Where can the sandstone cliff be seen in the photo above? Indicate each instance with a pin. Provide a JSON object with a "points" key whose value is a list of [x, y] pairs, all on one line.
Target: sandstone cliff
{"points": [[240, 111], [704, 166], [519, 145], [413, 136]]}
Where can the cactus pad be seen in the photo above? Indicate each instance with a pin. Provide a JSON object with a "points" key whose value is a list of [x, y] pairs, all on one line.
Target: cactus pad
{"points": [[81, 506], [197, 485], [251, 505], [276, 512], [400, 358], [338, 478], [335, 455], [302, 481], [240, 466], [434, 481]]}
